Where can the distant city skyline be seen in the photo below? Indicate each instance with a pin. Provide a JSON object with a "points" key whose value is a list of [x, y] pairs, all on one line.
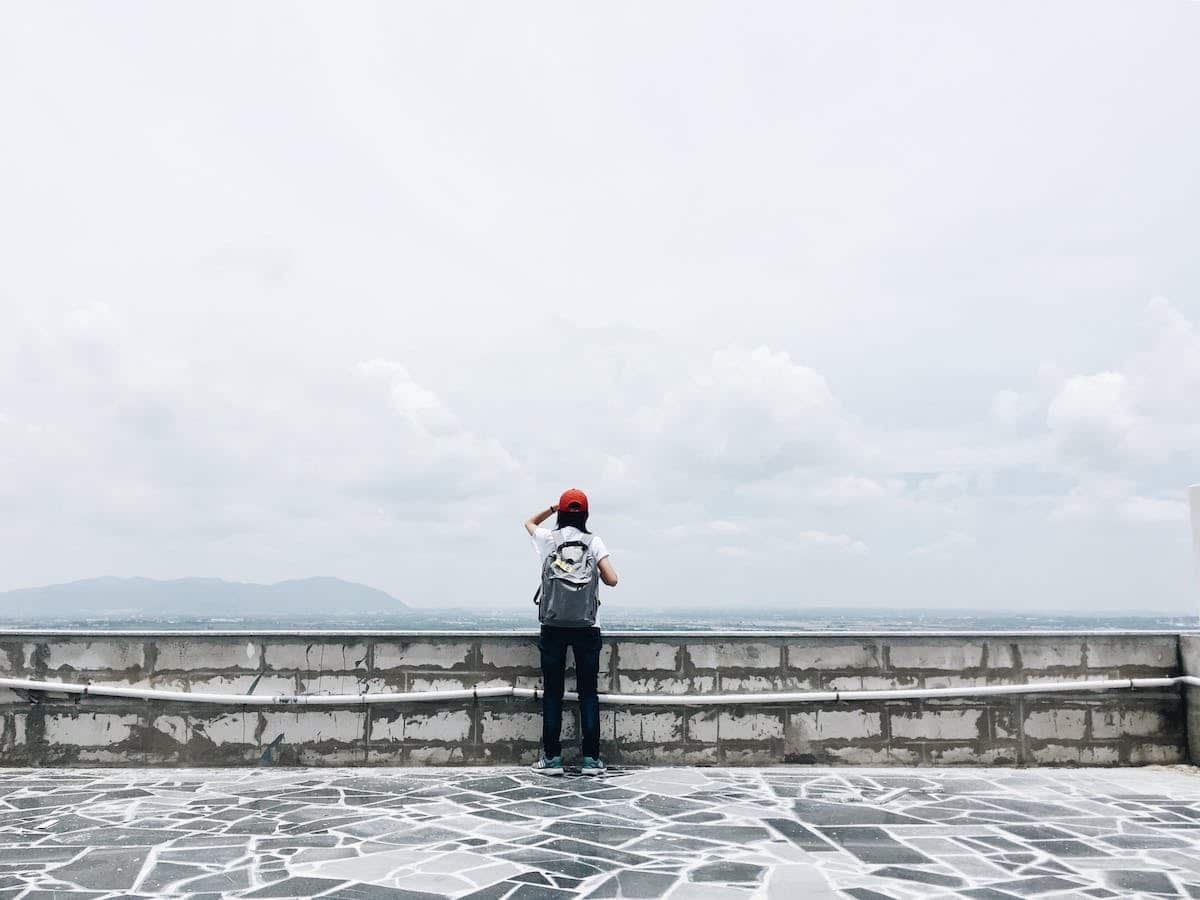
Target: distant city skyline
{"points": [[846, 306]]}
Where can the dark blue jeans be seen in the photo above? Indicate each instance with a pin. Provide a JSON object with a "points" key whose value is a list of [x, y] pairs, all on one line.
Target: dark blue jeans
{"points": [[585, 646]]}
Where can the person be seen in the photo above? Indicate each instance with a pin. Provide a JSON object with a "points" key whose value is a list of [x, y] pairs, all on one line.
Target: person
{"points": [[583, 638]]}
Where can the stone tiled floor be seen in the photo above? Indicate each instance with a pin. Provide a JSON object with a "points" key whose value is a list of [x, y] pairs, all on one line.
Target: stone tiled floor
{"points": [[691, 833]]}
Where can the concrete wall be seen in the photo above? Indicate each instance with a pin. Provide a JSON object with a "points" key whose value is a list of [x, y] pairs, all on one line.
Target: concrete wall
{"points": [[1116, 728], [1189, 660]]}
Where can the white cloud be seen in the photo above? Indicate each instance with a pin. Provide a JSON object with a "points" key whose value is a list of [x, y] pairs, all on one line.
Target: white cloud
{"points": [[1167, 374], [1093, 421], [717, 528], [1125, 434], [821, 324], [1117, 500], [1010, 409], [422, 451], [1142, 413], [767, 538], [1094, 496], [735, 552], [418, 405], [851, 489], [822, 540], [943, 486], [948, 547], [720, 526], [1154, 510], [751, 413]]}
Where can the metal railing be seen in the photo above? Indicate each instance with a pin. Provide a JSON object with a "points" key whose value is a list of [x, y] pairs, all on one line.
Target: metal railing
{"points": [[33, 690]]}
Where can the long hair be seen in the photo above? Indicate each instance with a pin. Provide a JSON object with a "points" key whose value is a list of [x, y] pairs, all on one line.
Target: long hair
{"points": [[573, 518]]}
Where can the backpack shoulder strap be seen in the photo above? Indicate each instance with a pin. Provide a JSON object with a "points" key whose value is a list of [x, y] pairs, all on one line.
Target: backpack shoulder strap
{"points": [[581, 539]]}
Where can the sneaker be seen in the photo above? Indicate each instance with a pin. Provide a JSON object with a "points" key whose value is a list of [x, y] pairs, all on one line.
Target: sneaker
{"points": [[551, 765], [593, 766]]}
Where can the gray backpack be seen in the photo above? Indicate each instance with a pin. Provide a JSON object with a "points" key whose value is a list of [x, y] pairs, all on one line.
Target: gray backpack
{"points": [[570, 591]]}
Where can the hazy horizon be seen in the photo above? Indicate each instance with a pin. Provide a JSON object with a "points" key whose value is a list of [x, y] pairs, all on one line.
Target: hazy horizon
{"points": [[122, 600], [863, 305]]}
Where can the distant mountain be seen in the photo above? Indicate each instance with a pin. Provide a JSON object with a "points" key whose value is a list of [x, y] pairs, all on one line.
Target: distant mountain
{"points": [[196, 597]]}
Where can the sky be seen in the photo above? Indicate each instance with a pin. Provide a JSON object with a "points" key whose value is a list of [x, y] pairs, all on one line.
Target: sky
{"points": [[856, 304]]}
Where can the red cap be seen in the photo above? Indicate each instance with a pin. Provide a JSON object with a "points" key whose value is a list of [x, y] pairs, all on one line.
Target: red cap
{"points": [[573, 500]]}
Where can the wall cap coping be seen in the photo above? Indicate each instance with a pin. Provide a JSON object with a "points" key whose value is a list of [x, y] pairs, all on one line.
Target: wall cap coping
{"points": [[715, 635]]}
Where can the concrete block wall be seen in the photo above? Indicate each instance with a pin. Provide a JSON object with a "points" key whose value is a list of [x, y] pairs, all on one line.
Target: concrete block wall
{"points": [[1114, 728]]}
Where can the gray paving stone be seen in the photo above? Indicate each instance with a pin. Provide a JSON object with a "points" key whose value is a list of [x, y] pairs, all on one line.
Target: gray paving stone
{"points": [[601, 834], [874, 845], [539, 892], [724, 834], [165, 874], [582, 848], [38, 854], [381, 892], [1144, 842], [1037, 832], [297, 887], [919, 875], [671, 843], [221, 882], [113, 837], [867, 834], [103, 868], [1031, 887], [635, 884], [1140, 881], [1068, 848], [219, 856], [802, 837], [850, 814], [493, 892], [727, 872]]}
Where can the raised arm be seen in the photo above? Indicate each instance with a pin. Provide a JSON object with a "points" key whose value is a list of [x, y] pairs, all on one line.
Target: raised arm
{"points": [[539, 517]]}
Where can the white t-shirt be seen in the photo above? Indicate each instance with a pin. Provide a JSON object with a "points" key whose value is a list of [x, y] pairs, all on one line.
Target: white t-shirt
{"points": [[543, 542]]}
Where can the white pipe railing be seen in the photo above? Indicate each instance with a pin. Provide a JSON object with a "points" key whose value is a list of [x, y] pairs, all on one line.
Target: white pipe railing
{"points": [[22, 685]]}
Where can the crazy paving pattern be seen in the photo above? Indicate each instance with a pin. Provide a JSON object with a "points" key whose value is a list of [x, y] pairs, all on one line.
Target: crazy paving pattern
{"points": [[692, 833]]}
